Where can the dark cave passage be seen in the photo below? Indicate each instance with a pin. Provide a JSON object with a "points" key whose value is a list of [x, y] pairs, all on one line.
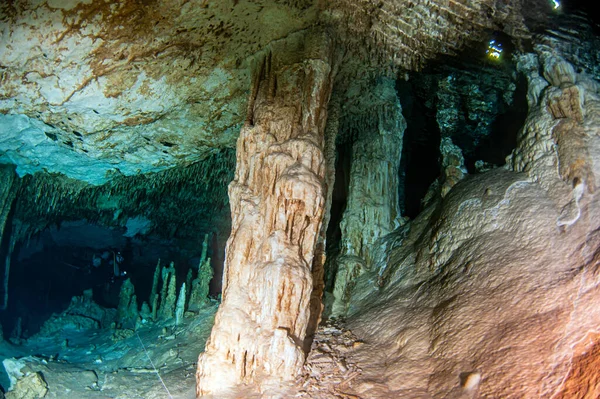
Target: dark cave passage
{"points": [[61, 263], [339, 199], [419, 166], [478, 103], [502, 139]]}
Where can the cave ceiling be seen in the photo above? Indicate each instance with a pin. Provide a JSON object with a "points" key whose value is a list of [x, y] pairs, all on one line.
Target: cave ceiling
{"points": [[93, 89]]}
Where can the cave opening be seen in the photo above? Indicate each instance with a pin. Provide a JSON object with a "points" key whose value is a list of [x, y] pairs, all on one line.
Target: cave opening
{"points": [[67, 237], [65, 260], [476, 101], [502, 139]]}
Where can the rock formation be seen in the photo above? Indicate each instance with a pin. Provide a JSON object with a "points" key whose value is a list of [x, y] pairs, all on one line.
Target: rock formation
{"points": [[111, 112], [168, 294], [8, 192], [180, 305], [372, 205], [493, 290], [277, 203], [199, 287], [127, 311]]}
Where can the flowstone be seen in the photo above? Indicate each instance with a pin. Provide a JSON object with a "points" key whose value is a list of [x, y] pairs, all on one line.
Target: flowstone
{"points": [[490, 293]]}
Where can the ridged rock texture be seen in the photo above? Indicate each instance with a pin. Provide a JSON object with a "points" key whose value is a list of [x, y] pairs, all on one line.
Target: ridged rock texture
{"points": [[90, 88], [277, 204], [94, 89], [407, 33], [493, 290], [372, 205]]}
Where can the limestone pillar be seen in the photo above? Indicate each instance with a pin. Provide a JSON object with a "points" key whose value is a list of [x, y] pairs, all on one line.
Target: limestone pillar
{"points": [[372, 209], [277, 201]]}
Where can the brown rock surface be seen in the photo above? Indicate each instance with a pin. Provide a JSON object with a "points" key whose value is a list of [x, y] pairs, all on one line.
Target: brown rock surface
{"points": [[486, 284], [134, 86]]}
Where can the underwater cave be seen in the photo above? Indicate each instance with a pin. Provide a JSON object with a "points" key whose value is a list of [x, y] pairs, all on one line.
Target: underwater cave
{"points": [[343, 199]]}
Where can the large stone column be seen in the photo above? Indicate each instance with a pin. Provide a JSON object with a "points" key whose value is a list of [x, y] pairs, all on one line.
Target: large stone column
{"points": [[277, 204], [372, 209]]}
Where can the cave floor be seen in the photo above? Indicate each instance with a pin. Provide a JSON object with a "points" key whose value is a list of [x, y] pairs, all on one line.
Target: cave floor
{"points": [[111, 363]]}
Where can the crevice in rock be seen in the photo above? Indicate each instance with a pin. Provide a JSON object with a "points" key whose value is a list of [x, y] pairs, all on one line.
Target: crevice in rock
{"points": [[338, 206], [419, 165]]}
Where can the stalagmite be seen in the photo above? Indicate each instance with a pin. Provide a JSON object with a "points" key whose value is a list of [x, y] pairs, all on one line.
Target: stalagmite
{"points": [[453, 165], [154, 292], [168, 294], [200, 285], [277, 204], [127, 311], [554, 147], [372, 208], [180, 307]]}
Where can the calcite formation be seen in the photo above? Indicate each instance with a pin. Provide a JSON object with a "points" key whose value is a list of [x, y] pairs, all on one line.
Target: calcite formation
{"points": [[453, 165], [127, 311], [277, 202], [492, 292], [560, 132], [372, 205], [125, 87], [168, 294], [97, 89]]}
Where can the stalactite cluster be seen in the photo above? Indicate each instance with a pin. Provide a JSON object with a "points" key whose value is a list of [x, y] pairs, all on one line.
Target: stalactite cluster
{"points": [[182, 200]]}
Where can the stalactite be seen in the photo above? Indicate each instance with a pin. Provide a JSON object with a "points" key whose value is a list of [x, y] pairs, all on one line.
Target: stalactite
{"points": [[8, 192]]}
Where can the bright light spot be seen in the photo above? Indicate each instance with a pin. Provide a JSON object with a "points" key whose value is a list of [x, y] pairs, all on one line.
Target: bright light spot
{"points": [[494, 50], [556, 4]]}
